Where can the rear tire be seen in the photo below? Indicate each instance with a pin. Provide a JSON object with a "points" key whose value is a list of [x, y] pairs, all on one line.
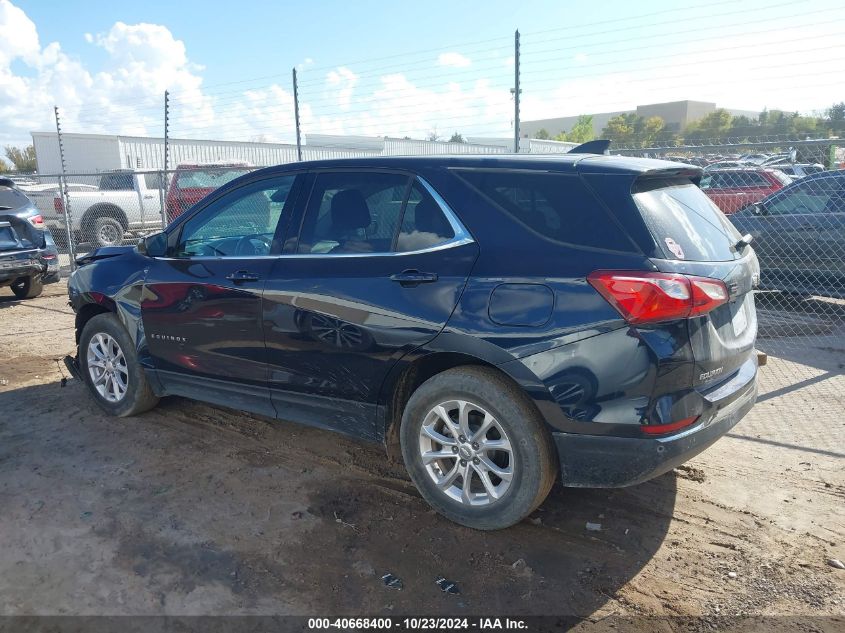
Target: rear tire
{"points": [[500, 434], [108, 231], [110, 368], [27, 287]]}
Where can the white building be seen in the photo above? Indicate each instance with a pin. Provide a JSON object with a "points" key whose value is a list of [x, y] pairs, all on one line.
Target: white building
{"points": [[94, 153]]}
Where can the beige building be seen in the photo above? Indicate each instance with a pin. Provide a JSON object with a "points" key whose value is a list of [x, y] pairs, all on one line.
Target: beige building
{"points": [[676, 114]]}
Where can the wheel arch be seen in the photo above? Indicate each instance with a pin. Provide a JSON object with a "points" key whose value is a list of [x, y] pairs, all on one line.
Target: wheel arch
{"points": [[88, 312], [100, 210], [406, 377]]}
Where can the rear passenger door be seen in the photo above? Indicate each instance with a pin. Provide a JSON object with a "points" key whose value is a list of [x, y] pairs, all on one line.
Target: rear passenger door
{"points": [[377, 269]]}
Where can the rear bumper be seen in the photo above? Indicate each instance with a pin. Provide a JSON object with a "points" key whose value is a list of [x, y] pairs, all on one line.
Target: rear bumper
{"points": [[35, 269], [593, 461]]}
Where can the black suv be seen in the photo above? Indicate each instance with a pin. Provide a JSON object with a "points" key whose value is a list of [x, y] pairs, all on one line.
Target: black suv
{"points": [[504, 320]]}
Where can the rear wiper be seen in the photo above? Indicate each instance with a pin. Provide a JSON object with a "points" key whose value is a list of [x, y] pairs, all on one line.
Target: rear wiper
{"points": [[744, 241]]}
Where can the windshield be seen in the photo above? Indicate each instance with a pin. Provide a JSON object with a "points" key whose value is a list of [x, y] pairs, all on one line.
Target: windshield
{"points": [[207, 179], [685, 223]]}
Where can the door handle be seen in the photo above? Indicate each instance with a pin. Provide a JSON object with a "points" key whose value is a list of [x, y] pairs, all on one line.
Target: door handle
{"points": [[148, 197], [242, 275], [413, 277]]}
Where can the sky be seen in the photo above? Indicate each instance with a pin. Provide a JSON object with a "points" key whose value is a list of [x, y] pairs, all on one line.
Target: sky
{"points": [[387, 68]]}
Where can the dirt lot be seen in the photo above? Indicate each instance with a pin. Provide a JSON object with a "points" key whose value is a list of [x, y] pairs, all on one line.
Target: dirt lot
{"points": [[192, 509]]}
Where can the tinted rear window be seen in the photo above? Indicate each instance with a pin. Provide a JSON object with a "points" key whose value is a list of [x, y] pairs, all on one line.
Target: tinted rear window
{"points": [[556, 206], [12, 199], [684, 222]]}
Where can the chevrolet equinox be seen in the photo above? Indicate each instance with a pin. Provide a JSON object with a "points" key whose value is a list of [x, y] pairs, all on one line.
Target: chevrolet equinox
{"points": [[501, 321]]}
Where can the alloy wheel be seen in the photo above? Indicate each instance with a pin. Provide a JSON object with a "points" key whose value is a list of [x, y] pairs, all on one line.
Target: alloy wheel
{"points": [[107, 367], [109, 235], [467, 453]]}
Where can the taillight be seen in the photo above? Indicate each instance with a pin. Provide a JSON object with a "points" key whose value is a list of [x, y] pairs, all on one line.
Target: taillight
{"points": [[59, 204], [645, 297], [37, 221]]}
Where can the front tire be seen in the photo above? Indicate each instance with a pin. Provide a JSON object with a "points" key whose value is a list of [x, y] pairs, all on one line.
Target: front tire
{"points": [[27, 287], [110, 368], [477, 449]]}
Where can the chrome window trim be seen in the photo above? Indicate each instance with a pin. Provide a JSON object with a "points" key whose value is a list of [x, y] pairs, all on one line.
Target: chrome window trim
{"points": [[461, 237]]}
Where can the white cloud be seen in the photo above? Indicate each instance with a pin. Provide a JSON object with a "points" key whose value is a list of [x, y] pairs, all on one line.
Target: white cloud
{"points": [[453, 60], [341, 82]]}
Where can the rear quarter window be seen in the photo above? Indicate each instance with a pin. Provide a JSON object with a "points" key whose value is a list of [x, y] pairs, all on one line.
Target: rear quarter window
{"points": [[684, 222], [555, 206]]}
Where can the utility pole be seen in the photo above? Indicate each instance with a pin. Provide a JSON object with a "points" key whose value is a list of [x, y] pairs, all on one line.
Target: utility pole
{"points": [[64, 189], [162, 192], [516, 92], [296, 117]]}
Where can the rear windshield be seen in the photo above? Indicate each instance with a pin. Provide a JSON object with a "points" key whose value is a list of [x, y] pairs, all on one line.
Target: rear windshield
{"points": [[555, 206], [12, 199], [685, 223], [211, 179]]}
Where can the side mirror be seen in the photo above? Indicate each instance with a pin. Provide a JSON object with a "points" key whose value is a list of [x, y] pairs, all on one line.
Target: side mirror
{"points": [[154, 245], [759, 209]]}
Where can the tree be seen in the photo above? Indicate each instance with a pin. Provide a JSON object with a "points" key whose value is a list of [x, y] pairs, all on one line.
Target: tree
{"points": [[456, 138], [542, 134], [22, 159], [620, 129], [433, 135], [652, 127], [582, 131], [715, 125], [836, 113]]}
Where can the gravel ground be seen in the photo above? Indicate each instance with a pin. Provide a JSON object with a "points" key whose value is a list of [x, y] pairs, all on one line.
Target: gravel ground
{"points": [[191, 509]]}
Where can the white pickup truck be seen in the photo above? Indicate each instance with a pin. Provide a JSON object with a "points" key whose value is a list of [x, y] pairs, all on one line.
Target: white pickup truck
{"points": [[126, 202]]}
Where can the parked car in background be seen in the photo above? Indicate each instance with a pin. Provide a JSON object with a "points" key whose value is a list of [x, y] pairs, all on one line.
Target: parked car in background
{"points": [[798, 170], [726, 164], [192, 182], [28, 256], [799, 235], [124, 202], [757, 159], [783, 157], [500, 321], [736, 188]]}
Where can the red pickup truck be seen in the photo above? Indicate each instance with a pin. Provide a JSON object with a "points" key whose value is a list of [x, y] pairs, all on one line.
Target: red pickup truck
{"points": [[733, 189], [192, 183]]}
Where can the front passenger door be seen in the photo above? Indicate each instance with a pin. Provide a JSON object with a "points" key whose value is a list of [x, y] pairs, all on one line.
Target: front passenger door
{"points": [[201, 307]]}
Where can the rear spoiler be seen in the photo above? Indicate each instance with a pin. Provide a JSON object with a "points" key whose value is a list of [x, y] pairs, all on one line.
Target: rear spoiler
{"points": [[599, 146]]}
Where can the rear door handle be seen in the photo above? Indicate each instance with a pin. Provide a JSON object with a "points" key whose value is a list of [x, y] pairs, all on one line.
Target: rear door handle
{"points": [[413, 277], [242, 275]]}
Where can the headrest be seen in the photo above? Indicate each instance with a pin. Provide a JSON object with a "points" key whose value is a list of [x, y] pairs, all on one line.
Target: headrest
{"points": [[350, 211]]}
